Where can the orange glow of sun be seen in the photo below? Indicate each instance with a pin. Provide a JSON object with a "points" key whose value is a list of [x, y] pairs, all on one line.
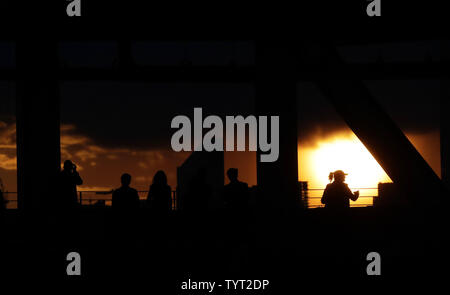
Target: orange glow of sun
{"points": [[344, 152]]}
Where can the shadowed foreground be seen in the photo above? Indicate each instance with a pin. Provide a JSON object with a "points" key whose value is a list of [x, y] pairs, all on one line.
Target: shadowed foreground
{"points": [[306, 248]]}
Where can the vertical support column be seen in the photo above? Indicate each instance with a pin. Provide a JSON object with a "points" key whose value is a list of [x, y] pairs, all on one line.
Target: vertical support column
{"points": [[38, 146], [445, 133], [276, 96]]}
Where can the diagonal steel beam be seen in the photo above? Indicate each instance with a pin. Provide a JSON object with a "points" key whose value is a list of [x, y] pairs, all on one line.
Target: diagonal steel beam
{"points": [[382, 137]]}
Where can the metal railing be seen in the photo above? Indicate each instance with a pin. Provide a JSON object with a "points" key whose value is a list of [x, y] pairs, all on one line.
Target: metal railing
{"points": [[10, 199], [87, 198], [310, 197], [90, 198]]}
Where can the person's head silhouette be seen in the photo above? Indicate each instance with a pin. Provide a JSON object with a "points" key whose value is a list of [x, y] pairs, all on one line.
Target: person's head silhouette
{"points": [[125, 179], [339, 176], [232, 174], [160, 178], [68, 165]]}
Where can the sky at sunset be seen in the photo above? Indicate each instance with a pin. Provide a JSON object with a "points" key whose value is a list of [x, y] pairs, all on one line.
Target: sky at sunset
{"points": [[108, 128], [111, 128]]}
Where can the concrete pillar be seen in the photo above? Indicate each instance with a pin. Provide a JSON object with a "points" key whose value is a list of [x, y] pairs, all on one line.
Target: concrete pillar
{"points": [[38, 143], [445, 132], [276, 96]]}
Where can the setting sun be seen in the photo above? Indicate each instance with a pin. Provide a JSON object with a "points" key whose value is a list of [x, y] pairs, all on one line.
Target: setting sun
{"points": [[344, 152]]}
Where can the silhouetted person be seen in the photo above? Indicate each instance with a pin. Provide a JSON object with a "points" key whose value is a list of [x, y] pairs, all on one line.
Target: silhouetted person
{"points": [[159, 196], [236, 193], [236, 197], [337, 195], [66, 203], [199, 193], [125, 198], [69, 178], [125, 205]]}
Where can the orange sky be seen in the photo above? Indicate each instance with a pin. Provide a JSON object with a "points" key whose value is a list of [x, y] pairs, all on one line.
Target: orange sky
{"points": [[344, 151], [101, 168]]}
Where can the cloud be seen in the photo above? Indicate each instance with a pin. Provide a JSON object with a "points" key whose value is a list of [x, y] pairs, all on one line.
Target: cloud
{"points": [[138, 115], [78, 147], [7, 135], [89, 152], [8, 163], [143, 165], [144, 179], [414, 105], [67, 140], [103, 165], [8, 158]]}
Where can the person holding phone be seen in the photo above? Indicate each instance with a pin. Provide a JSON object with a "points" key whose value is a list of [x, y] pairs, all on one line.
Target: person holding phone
{"points": [[337, 195], [69, 178]]}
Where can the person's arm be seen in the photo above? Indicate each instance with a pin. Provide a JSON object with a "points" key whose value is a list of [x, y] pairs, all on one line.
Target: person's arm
{"points": [[325, 195], [350, 195], [355, 196], [77, 178]]}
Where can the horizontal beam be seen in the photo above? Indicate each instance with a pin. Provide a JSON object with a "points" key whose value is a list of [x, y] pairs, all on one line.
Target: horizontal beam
{"points": [[377, 71]]}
